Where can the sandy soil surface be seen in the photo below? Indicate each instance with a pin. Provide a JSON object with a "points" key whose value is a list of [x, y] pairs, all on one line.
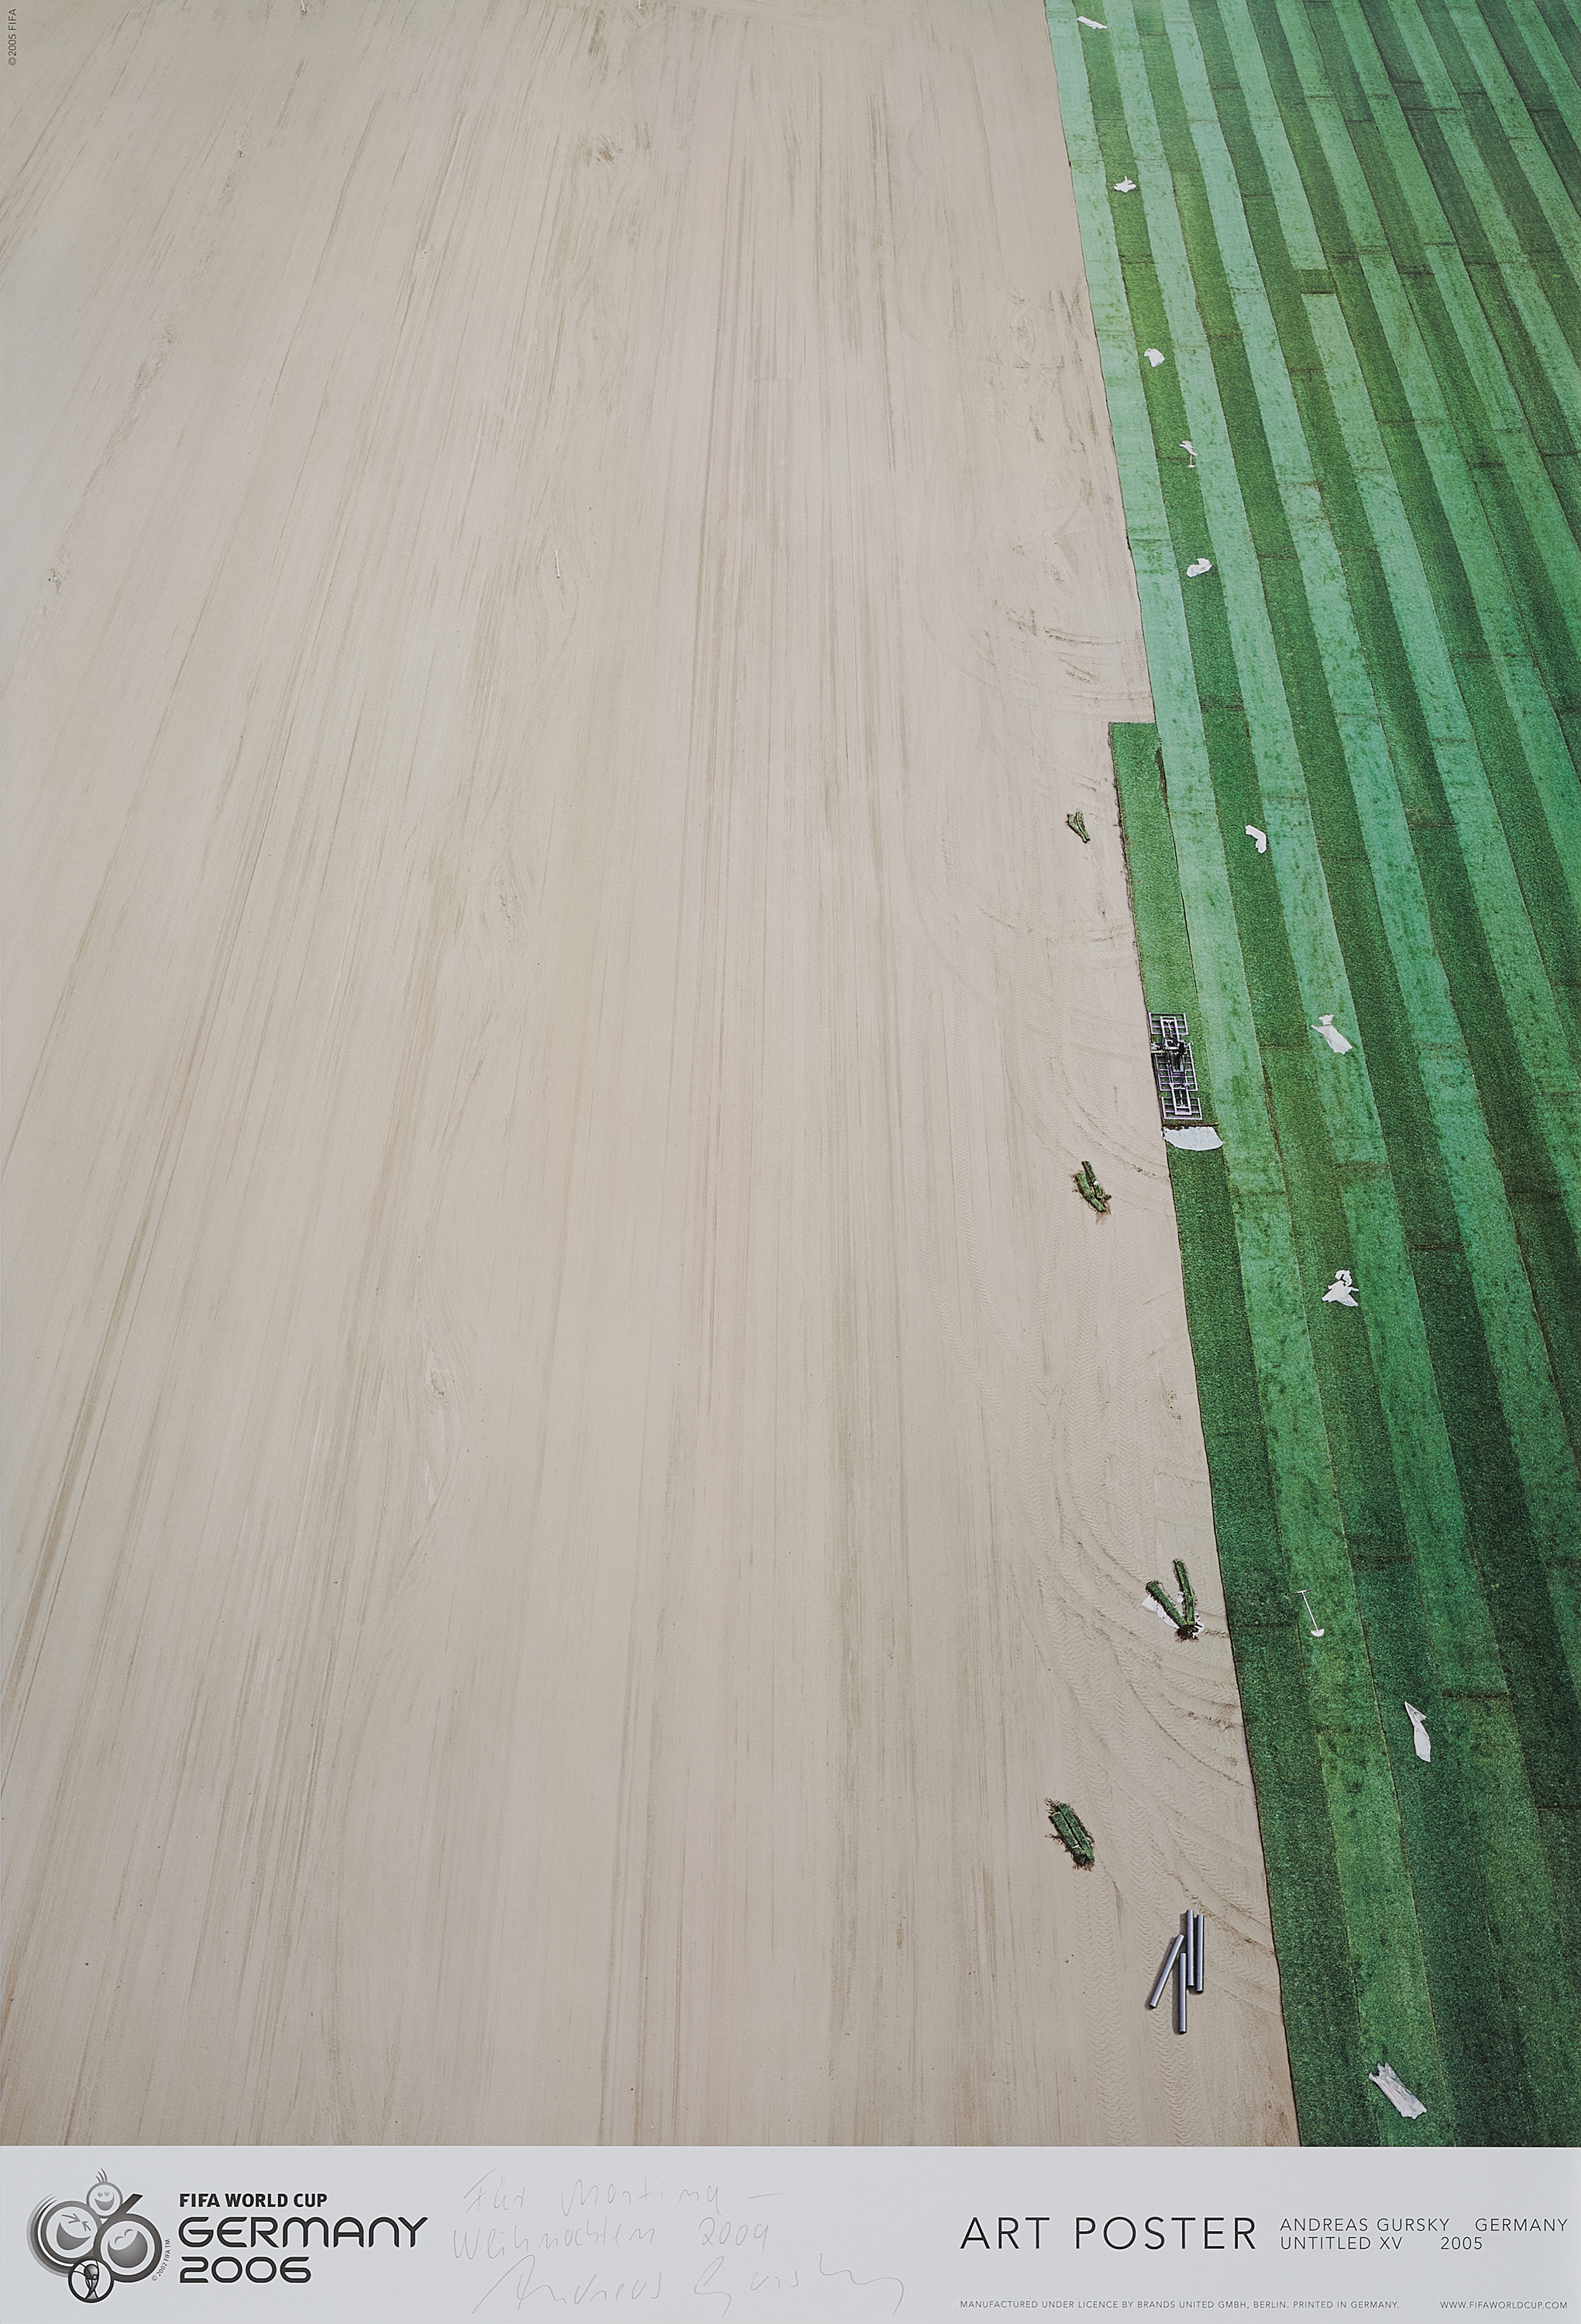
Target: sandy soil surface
{"points": [[577, 1471]]}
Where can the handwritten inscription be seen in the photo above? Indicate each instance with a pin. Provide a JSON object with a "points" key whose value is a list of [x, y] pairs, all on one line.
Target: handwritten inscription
{"points": [[664, 2244]]}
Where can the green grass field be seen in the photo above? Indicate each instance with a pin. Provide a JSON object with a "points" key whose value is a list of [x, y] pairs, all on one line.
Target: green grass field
{"points": [[1355, 238]]}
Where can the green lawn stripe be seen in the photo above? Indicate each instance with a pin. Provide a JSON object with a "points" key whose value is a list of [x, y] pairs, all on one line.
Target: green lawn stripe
{"points": [[1393, 1986], [1532, 1929], [1562, 1831], [1322, 2021]]}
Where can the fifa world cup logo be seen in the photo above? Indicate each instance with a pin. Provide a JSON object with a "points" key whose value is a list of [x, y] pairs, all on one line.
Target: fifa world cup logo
{"points": [[95, 2244]]}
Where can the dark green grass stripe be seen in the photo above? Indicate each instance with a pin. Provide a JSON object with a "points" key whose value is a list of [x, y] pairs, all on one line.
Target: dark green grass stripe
{"points": [[1322, 2024], [1561, 1836]]}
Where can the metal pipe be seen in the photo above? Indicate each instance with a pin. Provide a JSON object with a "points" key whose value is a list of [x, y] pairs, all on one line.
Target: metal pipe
{"points": [[1156, 1996], [1180, 1990], [1201, 1923], [1188, 1931]]}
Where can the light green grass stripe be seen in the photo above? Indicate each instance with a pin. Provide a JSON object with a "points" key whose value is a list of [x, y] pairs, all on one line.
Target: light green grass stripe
{"points": [[1522, 973], [1392, 1983], [1535, 161], [1549, 526], [1461, 1631], [1228, 1033], [1235, 1066]]}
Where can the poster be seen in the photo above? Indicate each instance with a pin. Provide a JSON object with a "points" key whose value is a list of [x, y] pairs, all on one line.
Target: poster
{"points": [[616, 1610]]}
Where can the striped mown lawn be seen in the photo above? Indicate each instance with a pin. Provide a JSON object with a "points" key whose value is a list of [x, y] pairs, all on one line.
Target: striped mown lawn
{"points": [[1355, 237]]}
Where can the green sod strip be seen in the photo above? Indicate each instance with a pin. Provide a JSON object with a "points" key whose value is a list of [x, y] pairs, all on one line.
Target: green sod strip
{"points": [[1548, 224], [1391, 1982], [1342, 1399], [1500, 227], [1547, 118], [1322, 2024], [1555, 41], [1357, 917], [1482, 407], [1442, 509], [1508, 755], [1560, 1307], [1449, 1162], [1497, 1040]]}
